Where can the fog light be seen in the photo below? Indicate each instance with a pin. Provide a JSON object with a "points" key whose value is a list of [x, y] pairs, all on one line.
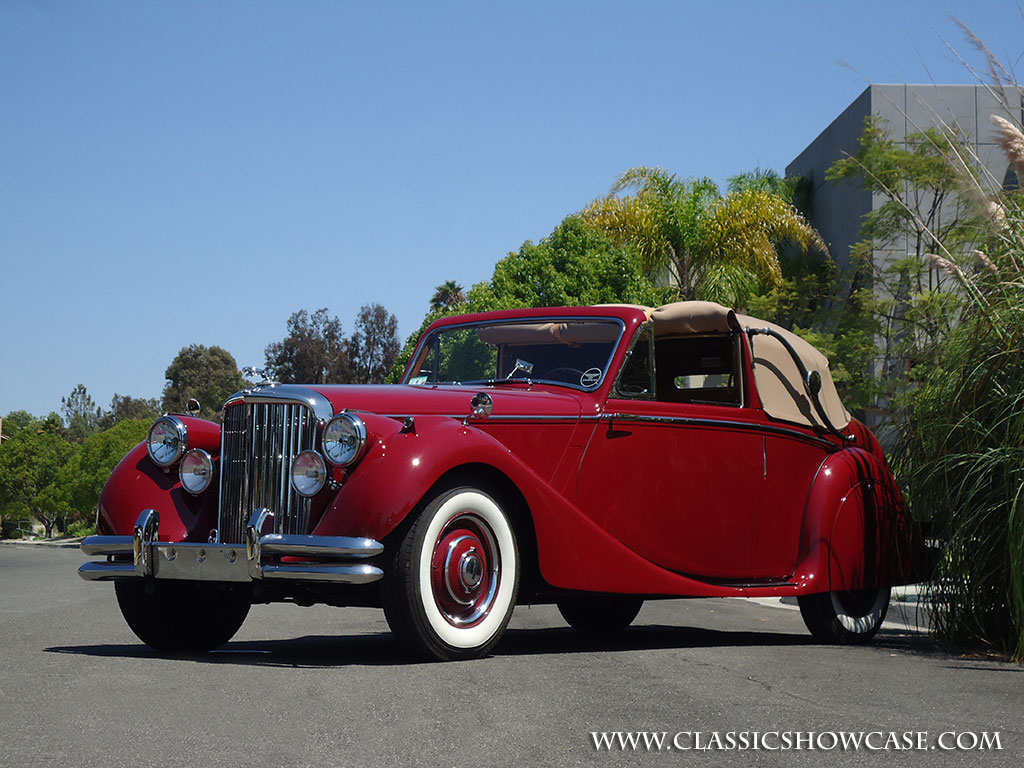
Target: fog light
{"points": [[196, 471], [309, 473]]}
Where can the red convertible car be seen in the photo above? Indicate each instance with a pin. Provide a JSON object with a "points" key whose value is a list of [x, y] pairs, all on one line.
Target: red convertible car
{"points": [[591, 457]]}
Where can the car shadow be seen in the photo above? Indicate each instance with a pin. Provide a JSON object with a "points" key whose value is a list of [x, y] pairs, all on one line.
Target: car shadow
{"points": [[381, 649]]}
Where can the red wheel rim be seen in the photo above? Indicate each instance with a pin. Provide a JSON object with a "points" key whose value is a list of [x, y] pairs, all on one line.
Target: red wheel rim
{"points": [[465, 570]]}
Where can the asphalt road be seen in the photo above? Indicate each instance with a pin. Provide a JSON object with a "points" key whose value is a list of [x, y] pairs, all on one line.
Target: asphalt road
{"points": [[327, 687]]}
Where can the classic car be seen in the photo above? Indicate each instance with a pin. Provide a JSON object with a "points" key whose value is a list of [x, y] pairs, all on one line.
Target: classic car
{"points": [[590, 457]]}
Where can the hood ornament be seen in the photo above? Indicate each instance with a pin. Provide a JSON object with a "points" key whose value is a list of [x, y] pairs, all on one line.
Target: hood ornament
{"points": [[251, 372]]}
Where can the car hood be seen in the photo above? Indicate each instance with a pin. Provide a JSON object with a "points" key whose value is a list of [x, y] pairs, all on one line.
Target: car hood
{"points": [[407, 400]]}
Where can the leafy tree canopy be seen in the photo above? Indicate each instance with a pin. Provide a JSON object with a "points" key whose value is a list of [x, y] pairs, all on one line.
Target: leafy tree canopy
{"points": [[709, 246], [575, 265], [81, 416], [208, 374], [313, 352], [373, 347], [77, 484], [449, 295], [125, 407], [29, 462]]}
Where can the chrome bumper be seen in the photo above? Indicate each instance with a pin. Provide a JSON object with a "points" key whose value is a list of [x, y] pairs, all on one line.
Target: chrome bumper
{"points": [[230, 562]]}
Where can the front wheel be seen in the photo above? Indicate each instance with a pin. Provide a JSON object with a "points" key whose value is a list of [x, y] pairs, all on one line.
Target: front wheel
{"points": [[452, 584], [845, 617], [182, 617]]}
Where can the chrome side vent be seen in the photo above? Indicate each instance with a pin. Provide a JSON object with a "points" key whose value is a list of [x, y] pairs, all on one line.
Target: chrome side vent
{"points": [[258, 442]]}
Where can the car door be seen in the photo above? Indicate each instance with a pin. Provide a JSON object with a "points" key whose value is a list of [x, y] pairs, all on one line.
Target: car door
{"points": [[677, 467]]}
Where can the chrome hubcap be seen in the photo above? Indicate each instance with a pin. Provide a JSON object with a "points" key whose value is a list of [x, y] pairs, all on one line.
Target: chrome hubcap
{"points": [[465, 570], [471, 570]]}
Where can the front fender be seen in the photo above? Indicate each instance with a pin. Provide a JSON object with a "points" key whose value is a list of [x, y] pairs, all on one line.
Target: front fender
{"points": [[399, 469], [856, 532], [137, 484]]}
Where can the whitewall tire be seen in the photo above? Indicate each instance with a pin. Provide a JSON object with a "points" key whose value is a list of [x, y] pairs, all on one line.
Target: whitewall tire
{"points": [[452, 584], [846, 617]]}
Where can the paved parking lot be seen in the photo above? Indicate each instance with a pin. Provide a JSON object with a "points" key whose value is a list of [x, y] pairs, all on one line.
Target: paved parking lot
{"points": [[327, 687]]}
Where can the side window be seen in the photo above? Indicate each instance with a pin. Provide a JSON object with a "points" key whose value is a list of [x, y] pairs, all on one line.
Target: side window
{"points": [[637, 377], [698, 369]]}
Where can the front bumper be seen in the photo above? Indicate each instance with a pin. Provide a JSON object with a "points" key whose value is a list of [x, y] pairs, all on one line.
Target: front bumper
{"points": [[333, 559]]}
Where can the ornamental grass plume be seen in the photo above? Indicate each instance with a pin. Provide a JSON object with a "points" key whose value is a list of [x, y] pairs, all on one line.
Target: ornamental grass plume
{"points": [[1012, 141], [995, 213], [940, 264], [984, 261]]}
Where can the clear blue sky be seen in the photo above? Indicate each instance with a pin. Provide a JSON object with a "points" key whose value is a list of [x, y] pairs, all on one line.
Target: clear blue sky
{"points": [[194, 172]]}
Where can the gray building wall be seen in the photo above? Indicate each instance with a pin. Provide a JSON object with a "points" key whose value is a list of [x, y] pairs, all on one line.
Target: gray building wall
{"points": [[837, 208]]}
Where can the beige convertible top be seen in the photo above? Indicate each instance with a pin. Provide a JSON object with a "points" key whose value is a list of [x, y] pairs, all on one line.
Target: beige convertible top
{"points": [[775, 373]]}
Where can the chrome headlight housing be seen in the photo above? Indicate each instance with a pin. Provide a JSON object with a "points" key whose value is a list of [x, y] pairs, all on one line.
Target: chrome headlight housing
{"points": [[196, 471], [309, 473], [344, 439], [167, 440]]}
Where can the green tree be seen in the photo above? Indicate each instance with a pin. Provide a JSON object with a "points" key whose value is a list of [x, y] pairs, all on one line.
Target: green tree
{"points": [[710, 246], [76, 486], [81, 416], [208, 374], [313, 352], [15, 421], [373, 347], [575, 265], [124, 407], [29, 462], [449, 295], [931, 209]]}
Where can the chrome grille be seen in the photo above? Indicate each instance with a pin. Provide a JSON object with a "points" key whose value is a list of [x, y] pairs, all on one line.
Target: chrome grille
{"points": [[258, 442]]}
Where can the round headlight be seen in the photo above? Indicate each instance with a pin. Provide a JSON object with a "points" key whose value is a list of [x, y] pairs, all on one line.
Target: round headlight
{"points": [[344, 438], [167, 440], [309, 473], [196, 471]]}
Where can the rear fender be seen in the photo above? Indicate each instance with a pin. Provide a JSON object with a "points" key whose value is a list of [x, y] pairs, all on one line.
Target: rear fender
{"points": [[856, 531]]}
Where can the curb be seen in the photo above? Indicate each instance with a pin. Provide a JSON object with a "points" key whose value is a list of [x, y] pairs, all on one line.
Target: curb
{"points": [[59, 543]]}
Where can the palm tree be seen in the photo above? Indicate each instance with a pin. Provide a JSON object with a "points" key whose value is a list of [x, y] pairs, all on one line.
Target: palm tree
{"points": [[711, 247], [448, 295]]}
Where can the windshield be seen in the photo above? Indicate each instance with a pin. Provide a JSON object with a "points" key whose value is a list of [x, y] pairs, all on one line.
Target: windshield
{"points": [[572, 353]]}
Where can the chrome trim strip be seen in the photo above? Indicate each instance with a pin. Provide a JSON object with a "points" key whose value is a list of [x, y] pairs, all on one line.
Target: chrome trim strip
{"points": [[347, 574], [722, 423], [107, 545], [508, 417], [319, 546], [106, 571]]}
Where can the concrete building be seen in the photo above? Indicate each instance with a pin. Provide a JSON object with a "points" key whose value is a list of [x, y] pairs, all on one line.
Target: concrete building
{"points": [[836, 208]]}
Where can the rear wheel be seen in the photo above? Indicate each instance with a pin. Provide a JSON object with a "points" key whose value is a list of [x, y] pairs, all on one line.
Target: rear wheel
{"points": [[606, 613], [452, 585], [182, 617], [846, 617]]}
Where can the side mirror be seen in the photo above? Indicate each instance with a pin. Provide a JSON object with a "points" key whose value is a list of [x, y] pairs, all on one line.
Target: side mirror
{"points": [[481, 405]]}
